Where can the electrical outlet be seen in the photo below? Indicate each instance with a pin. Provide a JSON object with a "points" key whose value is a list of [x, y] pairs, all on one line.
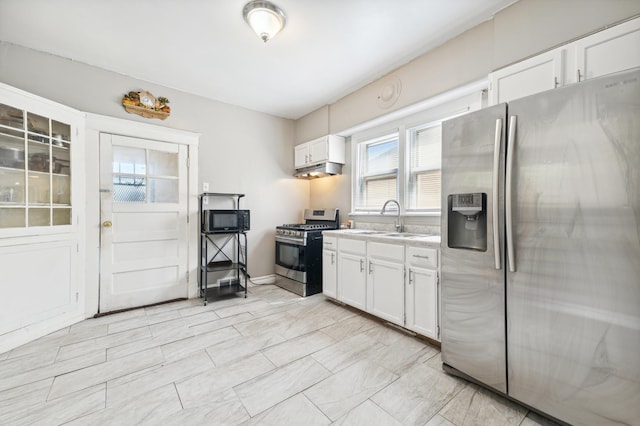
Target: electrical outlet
{"points": [[205, 187]]}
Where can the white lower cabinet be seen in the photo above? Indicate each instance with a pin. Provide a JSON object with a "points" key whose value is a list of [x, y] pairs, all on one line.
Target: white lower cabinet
{"points": [[352, 276], [395, 282], [422, 291], [330, 267], [385, 281]]}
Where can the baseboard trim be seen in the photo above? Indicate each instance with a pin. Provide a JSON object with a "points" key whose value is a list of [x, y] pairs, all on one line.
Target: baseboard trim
{"points": [[265, 279]]}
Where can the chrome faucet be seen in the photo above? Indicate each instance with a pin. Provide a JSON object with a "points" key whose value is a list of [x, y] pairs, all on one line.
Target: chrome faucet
{"points": [[398, 221]]}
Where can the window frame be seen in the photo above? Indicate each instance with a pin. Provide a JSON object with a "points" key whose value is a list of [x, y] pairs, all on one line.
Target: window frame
{"points": [[362, 177], [439, 109]]}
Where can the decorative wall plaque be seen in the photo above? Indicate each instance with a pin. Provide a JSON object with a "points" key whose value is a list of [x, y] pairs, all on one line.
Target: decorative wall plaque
{"points": [[146, 105]]}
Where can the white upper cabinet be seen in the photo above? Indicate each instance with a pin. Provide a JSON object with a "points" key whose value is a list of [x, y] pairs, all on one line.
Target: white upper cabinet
{"points": [[327, 148], [615, 49], [605, 52], [534, 75]]}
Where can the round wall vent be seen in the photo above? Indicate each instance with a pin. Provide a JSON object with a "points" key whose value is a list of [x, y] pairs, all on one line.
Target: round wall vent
{"points": [[389, 92]]}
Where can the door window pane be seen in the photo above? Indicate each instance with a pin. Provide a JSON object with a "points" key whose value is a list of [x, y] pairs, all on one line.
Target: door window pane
{"points": [[129, 189], [163, 190], [163, 163], [129, 160]]}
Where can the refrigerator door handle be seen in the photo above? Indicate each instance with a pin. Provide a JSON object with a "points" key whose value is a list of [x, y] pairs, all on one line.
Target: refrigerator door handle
{"points": [[508, 190], [496, 192]]}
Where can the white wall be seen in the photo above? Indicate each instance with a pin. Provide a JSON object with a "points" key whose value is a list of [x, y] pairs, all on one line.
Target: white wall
{"points": [[521, 30], [240, 150]]}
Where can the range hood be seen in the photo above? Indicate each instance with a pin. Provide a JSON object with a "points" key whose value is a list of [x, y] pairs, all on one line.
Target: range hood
{"points": [[319, 170]]}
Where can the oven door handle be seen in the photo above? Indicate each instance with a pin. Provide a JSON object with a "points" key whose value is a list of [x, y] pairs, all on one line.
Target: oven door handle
{"points": [[291, 240]]}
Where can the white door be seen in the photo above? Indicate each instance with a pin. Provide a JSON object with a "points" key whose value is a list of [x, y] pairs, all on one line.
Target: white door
{"points": [[143, 245], [422, 302], [385, 290], [352, 281], [329, 273]]}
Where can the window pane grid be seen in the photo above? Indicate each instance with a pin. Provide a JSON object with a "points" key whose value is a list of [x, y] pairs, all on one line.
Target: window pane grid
{"points": [[377, 172], [425, 158]]}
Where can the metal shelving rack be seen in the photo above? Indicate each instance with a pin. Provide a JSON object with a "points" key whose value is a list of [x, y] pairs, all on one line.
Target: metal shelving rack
{"points": [[220, 261]]}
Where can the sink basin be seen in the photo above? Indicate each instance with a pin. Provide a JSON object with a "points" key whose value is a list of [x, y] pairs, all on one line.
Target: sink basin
{"points": [[403, 235]]}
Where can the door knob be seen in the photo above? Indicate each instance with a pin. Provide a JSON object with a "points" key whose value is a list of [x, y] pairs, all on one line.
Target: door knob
{"points": [[107, 224]]}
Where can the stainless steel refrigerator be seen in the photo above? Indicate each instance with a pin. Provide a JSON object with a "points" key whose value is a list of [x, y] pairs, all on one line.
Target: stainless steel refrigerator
{"points": [[541, 250]]}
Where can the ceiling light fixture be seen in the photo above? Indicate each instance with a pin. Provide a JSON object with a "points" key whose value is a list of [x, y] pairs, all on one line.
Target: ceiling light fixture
{"points": [[265, 18]]}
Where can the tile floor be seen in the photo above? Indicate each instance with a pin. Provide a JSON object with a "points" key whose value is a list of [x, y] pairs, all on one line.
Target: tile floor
{"points": [[270, 359]]}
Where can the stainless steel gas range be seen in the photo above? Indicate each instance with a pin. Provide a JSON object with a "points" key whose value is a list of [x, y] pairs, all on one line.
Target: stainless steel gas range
{"points": [[299, 251]]}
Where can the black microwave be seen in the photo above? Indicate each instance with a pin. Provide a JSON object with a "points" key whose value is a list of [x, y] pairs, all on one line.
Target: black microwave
{"points": [[221, 221]]}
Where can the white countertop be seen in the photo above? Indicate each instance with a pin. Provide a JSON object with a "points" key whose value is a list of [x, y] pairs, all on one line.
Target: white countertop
{"points": [[407, 238]]}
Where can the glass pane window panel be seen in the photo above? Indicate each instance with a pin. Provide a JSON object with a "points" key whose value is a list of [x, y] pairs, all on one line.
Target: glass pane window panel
{"points": [[38, 127], [377, 172], [60, 131], [39, 189], [39, 157], [377, 191], [129, 189], [163, 163], [163, 190], [12, 217], [39, 217], [425, 158], [381, 157], [129, 160], [61, 217], [11, 187], [11, 117], [61, 190], [26, 143], [426, 148], [12, 149], [61, 161], [428, 190]]}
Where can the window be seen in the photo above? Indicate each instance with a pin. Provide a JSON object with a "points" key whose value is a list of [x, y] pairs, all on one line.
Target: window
{"points": [[144, 176], [401, 159], [377, 172], [425, 157]]}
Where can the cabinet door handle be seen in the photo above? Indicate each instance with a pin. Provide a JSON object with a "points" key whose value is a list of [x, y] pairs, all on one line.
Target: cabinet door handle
{"points": [[421, 257], [361, 265], [107, 224], [332, 259], [310, 158], [306, 158], [578, 75], [410, 279], [370, 268], [555, 82]]}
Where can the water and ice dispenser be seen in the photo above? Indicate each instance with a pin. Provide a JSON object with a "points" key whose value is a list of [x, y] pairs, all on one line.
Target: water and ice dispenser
{"points": [[467, 221]]}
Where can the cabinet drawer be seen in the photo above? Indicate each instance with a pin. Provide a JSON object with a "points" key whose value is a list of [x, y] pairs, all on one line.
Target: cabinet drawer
{"points": [[329, 243], [353, 246], [386, 251], [422, 256]]}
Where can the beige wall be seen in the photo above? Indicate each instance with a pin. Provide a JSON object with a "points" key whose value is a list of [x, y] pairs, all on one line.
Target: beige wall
{"points": [[523, 29], [240, 150]]}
